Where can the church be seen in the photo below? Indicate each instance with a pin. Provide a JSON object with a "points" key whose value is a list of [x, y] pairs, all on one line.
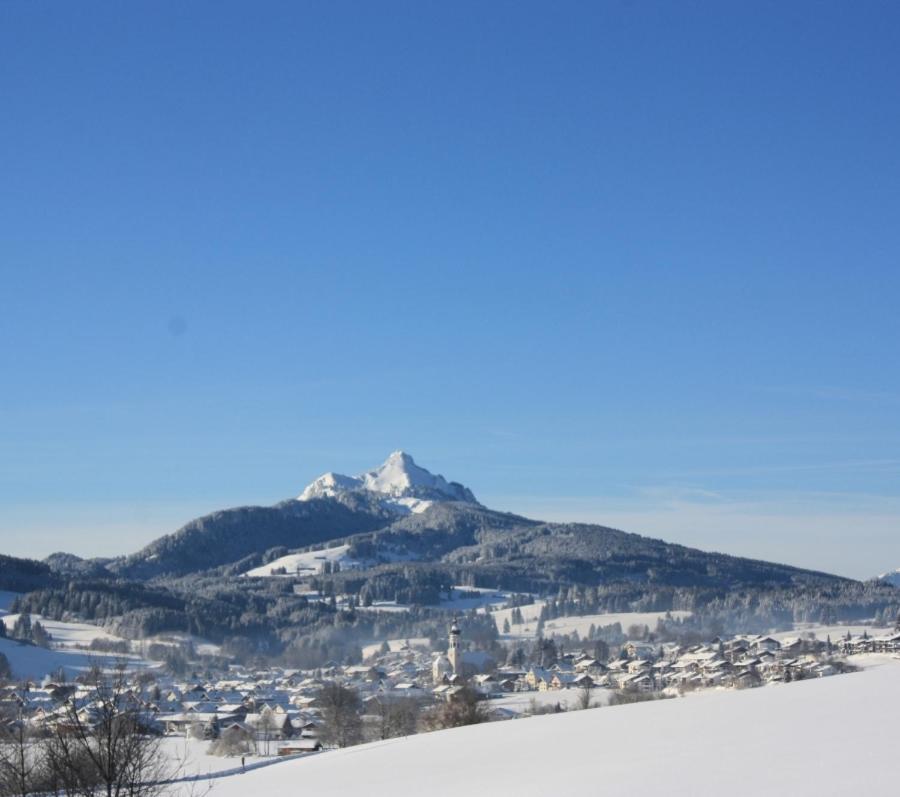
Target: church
{"points": [[456, 666]]}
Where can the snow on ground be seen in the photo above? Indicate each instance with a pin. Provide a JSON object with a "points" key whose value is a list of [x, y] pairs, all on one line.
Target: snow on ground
{"points": [[485, 598], [177, 639], [30, 661], [189, 757], [829, 736], [526, 702], [822, 632], [309, 563], [397, 645], [381, 606], [568, 625], [67, 635], [306, 564], [68, 649]]}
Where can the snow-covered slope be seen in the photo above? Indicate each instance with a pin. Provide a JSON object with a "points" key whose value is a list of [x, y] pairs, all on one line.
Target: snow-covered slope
{"points": [[892, 578], [305, 564], [830, 736], [69, 650], [404, 485], [309, 563]]}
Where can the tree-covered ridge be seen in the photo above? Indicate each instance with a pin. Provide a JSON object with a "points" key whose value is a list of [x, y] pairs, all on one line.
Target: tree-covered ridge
{"points": [[195, 580], [229, 535], [589, 554], [23, 575]]}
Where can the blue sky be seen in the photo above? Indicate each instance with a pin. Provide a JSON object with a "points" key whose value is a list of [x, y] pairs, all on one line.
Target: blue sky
{"points": [[629, 262]]}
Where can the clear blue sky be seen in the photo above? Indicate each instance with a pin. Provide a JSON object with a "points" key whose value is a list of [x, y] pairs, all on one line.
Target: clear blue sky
{"points": [[628, 262]]}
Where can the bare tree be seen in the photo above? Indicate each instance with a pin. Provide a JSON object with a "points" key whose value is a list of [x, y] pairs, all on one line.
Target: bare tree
{"points": [[464, 708], [233, 741], [104, 745], [20, 760], [265, 728], [397, 717], [583, 698], [341, 723]]}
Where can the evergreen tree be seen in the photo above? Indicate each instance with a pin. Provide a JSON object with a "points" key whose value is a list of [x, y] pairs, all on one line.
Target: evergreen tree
{"points": [[22, 627], [39, 635]]}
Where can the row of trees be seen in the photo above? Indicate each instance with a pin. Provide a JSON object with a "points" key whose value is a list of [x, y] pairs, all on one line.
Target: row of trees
{"points": [[26, 631], [343, 719], [101, 745]]}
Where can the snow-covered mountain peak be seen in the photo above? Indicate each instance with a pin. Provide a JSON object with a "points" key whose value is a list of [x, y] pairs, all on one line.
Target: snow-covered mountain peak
{"points": [[405, 485], [399, 473]]}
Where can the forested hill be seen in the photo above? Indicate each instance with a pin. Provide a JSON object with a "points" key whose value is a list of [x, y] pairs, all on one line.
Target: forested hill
{"points": [[231, 534], [400, 512], [399, 534], [24, 575], [467, 542], [578, 553]]}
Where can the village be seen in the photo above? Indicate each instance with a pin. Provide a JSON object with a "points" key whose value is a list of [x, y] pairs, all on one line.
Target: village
{"points": [[277, 712]]}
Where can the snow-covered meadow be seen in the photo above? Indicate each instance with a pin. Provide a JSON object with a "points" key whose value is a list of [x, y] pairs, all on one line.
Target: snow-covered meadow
{"points": [[829, 736], [568, 625], [69, 649], [305, 564]]}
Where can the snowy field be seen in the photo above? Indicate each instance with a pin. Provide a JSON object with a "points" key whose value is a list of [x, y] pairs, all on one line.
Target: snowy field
{"points": [[177, 639], [822, 632], [67, 635], [526, 702], [379, 606], [568, 625], [189, 757], [67, 650], [830, 736], [30, 661], [463, 599], [306, 564], [397, 645], [309, 563]]}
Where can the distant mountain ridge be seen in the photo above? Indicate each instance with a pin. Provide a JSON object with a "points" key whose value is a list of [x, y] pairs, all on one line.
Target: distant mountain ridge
{"points": [[302, 577], [892, 578], [400, 512]]}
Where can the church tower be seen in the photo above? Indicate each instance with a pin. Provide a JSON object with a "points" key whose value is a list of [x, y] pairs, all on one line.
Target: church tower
{"points": [[454, 653]]}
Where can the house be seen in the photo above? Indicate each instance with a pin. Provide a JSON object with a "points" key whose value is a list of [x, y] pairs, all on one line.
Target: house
{"points": [[564, 680], [746, 679], [636, 682], [767, 643], [537, 675], [592, 666], [270, 725], [297, 746], [639, 650]]}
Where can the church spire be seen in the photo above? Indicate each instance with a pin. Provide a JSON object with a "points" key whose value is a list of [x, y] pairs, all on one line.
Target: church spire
{"points": [[454, 652]]}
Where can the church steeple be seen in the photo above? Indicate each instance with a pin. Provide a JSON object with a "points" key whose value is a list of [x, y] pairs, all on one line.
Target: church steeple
{"points": [[454, 653]]}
